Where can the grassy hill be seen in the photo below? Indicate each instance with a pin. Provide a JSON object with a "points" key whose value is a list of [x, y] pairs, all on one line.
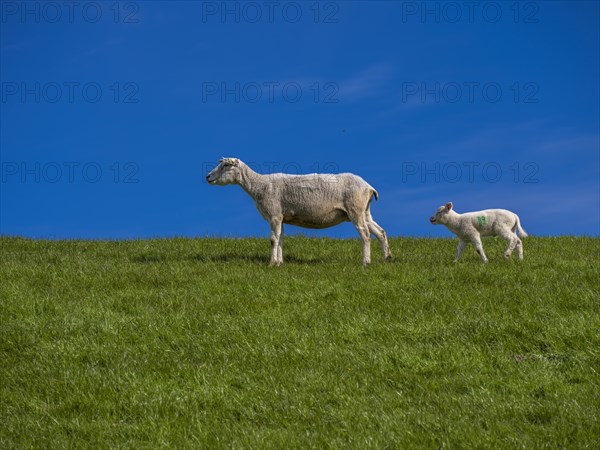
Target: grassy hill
{"points": [[187, 343]]}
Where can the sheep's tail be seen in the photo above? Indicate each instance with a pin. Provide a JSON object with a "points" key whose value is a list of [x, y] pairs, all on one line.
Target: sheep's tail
{"points": [[522, 232], [375, 194]]}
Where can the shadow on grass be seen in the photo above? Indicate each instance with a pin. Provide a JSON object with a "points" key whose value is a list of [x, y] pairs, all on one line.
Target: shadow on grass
{"points": [[224, 258], [296, 260], [148, 259], [228, 257], [256, 258]]}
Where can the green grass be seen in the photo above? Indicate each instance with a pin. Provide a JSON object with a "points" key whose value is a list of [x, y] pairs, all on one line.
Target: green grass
{"points": [[188, 343]]}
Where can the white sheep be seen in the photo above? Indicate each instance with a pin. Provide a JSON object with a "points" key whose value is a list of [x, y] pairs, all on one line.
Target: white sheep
{"points": [[469, 227], [310, 201]]}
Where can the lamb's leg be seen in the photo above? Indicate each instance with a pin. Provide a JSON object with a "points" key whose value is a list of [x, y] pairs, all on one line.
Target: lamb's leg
{"points": [[361, 226], [512, 242], [459, 250], [479, 249], [279, 247], [519, 249], [380, 235], [275, 237]]}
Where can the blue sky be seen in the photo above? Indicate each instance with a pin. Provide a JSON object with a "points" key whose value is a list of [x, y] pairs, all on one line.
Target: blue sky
{"points": [[111, 118]]}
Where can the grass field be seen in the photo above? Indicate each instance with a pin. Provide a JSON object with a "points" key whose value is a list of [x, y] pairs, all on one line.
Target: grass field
{"points": [[196, 343]]}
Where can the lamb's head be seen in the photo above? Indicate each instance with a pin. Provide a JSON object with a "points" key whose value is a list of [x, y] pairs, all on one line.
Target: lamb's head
{"points": [[227, 172], [441, 215]]}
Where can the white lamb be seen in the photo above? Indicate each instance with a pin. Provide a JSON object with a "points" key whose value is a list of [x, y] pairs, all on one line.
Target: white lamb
{"points": [[469, 227], [310, 201]]}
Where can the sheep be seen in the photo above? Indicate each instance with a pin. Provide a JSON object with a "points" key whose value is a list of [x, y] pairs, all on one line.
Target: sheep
{"points": [[310, 201], [469, 227]]}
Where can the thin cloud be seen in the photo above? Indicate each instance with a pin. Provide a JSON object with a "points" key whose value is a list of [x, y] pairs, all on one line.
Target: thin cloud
{"points": [[537, 136], [583, 142], [368, 83]]}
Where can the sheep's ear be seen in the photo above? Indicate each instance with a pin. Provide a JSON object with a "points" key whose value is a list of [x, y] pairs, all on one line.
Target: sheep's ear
{"points": [[448, 206]]}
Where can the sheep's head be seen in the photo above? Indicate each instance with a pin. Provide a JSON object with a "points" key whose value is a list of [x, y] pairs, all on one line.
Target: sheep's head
{"points": [[441, 215], [227, 172]]}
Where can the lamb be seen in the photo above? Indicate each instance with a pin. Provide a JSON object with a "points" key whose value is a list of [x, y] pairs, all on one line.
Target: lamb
{"points": [[469, 227], [310, 201]]}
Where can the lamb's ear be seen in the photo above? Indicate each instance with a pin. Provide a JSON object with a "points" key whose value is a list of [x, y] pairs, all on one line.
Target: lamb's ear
{"points": [[448, 206]]}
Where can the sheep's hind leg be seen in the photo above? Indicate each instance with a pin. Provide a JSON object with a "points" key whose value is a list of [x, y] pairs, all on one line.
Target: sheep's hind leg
{"points": [[379, 233], [519, 249], [512, 240], [361, 226]]}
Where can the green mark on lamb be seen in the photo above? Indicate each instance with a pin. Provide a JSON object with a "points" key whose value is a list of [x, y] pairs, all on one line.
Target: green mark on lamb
{"points": [[481, 220]]}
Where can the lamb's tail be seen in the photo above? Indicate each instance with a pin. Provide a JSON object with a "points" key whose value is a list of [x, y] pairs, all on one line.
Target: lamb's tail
{"points": [[522, 232]]}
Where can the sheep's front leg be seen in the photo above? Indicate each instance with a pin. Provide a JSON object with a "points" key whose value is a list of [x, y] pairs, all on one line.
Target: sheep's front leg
{"points": [[279, 247], [276, 226], [459, 250], [479, 249]]}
